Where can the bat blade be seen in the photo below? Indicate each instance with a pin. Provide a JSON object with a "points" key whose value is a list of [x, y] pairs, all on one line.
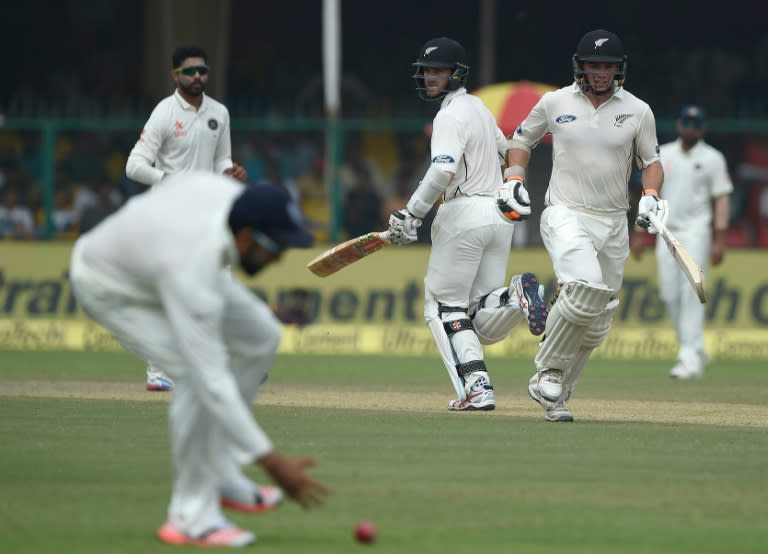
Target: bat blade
{"points": [[685, 262], [346, 253]]}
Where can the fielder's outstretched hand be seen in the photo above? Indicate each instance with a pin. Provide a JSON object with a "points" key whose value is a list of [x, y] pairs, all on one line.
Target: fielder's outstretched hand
{"points": [[289, 475]]}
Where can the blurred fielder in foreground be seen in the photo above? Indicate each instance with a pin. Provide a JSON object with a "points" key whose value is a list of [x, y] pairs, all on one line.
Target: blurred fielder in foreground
{"points": [[465, 306], [598, 129], [186, 131], [695, 178], [156, 274]]}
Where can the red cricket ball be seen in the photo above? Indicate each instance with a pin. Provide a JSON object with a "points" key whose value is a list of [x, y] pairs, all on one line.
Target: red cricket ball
{"points": [[365, 532]]}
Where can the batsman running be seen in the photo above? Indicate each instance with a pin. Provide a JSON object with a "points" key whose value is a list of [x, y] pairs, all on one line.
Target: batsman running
{"points": [[465, 306], [598, 129]]}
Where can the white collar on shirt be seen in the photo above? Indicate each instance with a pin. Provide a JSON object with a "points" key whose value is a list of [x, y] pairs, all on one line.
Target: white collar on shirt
{"points": [[186, 105]]}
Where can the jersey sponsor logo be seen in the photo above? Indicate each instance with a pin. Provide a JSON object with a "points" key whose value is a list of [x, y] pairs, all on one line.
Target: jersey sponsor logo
{"points": [[621, 118], [443, 159], [179, 130], [565, 118], [213, 124]]}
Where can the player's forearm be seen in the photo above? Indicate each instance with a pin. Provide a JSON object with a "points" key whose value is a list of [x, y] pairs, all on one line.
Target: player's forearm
{"points": [[430, 188], [722, 214], [139, 170], [653, 178], [517, 157]]}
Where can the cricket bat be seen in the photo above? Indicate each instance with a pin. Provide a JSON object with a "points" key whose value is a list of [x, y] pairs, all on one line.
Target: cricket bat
{"points": [[687, 265], [346, 253]]}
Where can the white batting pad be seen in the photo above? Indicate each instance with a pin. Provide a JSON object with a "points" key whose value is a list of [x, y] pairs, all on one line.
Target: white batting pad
{"points": [[447, 354], [577, 305], [495, 321], [593, 338]]}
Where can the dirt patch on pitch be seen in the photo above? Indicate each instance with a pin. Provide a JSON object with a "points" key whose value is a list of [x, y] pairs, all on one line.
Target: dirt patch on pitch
{"points": [[585, 409]]}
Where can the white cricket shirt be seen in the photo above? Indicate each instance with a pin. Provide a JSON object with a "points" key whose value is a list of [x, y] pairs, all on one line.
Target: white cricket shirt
{"points": [[467, 142], [691, 180], [178, 137], [171, 248], [593, 148]]}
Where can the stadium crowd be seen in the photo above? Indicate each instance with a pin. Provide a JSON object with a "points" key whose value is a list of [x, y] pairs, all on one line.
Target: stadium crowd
{"points": [[379, 169]]}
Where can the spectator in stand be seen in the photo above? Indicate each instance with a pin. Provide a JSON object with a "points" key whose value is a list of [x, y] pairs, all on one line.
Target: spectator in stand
{"points": [[16, 221], [314, 200], [362, 207], [102, 207]]}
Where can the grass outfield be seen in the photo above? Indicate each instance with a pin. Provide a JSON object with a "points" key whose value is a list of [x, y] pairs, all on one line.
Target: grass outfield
{"points": [[650, 465]]}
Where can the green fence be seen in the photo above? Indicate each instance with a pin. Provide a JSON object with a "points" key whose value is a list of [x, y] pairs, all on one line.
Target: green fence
{"points": [[334, 133]]}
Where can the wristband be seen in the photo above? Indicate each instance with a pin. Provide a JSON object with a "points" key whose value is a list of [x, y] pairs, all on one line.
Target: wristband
{"points": [[514, 172]]}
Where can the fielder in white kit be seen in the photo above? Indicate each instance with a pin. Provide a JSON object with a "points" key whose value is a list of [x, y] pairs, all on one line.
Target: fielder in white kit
{"points": [[155, 274], [598, 130], [186, 131], [697, 188], [466, 305]]}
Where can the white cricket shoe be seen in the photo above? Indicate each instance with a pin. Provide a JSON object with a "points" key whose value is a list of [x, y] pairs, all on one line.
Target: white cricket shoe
{"points": [[546, 386], [553, 411], [157, 381], [263, 499], [680, 371], [480, 394], [528, 294]]}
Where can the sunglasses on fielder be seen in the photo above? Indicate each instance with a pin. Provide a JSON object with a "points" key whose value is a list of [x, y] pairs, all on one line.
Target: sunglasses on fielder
{"points": [[192, 69], [267, 243]]}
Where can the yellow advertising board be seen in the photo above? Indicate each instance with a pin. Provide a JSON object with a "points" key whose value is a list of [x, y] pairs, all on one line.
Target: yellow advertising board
{"points": [[376, 304]]}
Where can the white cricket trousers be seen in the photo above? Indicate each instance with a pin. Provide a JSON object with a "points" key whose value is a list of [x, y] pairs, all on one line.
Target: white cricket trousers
{"points": [[586, 246], [205, 461], [683, 306], [471, 244]]}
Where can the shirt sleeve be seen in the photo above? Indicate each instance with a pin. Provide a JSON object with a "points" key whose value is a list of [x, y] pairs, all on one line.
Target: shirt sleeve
{"points": [[141, 160], [447, 143], [195, 311], [223, 156], [533, 128], [501, 142], [721, 181], [646, 143]]}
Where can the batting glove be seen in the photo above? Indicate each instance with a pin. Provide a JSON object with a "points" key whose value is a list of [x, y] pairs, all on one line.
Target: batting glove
{"points": [[512, 200], [650, 203], [402, 227]]}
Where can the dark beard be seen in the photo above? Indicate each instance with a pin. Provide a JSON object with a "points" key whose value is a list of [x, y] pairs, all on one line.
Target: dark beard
{"points": [[250, 264], [190, 91], [689, 142]]}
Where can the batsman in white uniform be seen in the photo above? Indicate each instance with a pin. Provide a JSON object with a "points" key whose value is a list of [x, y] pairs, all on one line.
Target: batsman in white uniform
{"points": [[466, 304], [697, 190], [598, 130], [155, 274], [186, 131]]}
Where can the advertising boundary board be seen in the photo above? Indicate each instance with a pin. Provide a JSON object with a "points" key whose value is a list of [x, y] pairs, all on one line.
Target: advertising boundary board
{"points": [[375, 305]]}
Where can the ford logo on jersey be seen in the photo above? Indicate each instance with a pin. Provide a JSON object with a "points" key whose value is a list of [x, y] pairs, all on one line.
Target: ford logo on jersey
{"points": [[565, 118], [443, 159]]}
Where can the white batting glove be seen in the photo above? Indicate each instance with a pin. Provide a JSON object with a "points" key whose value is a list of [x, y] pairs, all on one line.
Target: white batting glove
{"points": [[512, 200], [650, 203], [402, 227]]}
